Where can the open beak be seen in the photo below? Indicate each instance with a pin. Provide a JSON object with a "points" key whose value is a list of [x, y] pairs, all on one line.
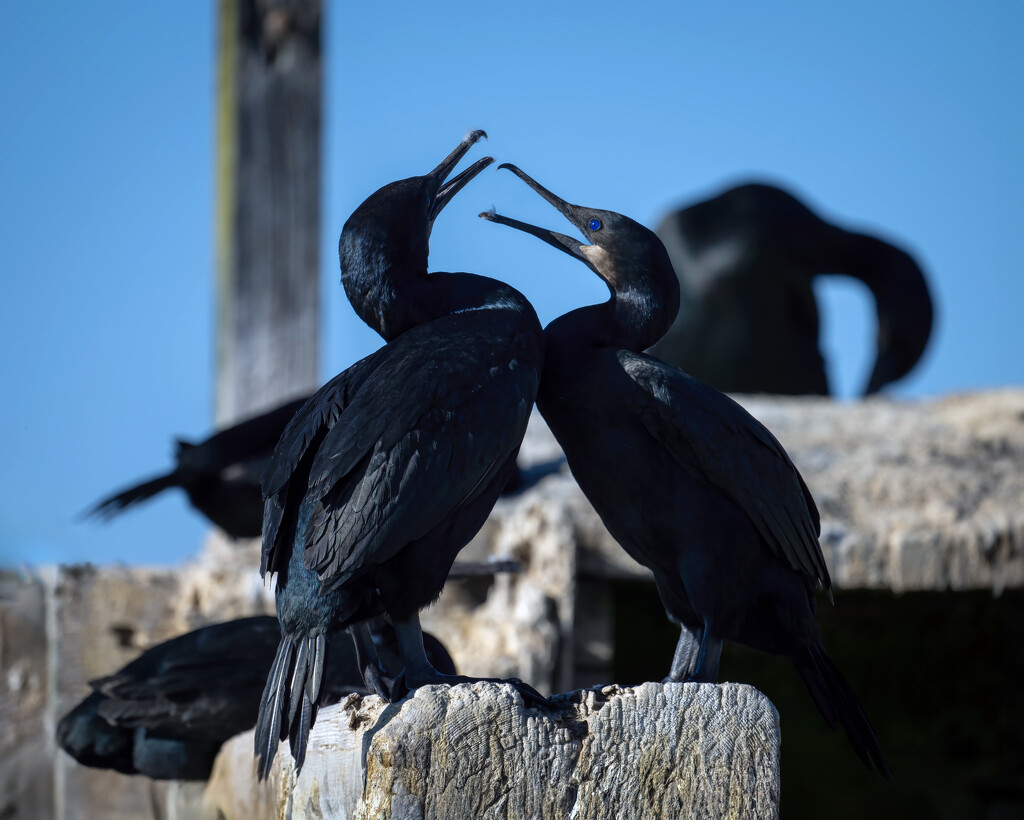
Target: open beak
{"points": [[573, 247], [447, 190]]}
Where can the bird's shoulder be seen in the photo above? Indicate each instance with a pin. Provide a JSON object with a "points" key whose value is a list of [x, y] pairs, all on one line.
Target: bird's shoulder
{"points": [[438, 377], [451, 378], [407, 455]]}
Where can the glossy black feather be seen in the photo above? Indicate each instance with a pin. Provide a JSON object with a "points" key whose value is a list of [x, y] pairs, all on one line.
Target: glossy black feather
{"points": [[167, 713], [688, 482], [706, 431], [424, 445], [385, 474], [308, 425]]}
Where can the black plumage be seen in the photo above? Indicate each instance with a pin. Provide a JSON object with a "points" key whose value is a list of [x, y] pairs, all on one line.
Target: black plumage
{"points": [[748, 322], [167, 713], [688, 482], [390, 469], [220, 475]]}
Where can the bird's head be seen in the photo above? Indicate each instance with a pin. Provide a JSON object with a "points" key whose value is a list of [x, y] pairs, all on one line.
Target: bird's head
{"points": [[629, 257], [385, 242]]}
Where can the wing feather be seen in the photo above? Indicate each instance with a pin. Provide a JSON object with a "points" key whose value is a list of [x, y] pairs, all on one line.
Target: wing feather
{"points": [[706, 431], [387, 456], [411, 488], [400, 468], [310, 423]]}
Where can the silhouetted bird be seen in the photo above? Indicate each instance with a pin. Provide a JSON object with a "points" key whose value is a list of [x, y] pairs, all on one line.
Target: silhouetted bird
{"points": [[688, 482], [220, 475], [748, 320], [167, 713], [390, 469]]}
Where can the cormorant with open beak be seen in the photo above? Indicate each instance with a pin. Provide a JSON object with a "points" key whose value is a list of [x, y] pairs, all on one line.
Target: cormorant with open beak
{"points": [[393, 466], [689, 483]]}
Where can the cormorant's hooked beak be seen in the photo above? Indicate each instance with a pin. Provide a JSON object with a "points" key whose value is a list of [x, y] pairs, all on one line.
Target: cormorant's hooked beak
{"points": [[573, 247], [447, 190]]}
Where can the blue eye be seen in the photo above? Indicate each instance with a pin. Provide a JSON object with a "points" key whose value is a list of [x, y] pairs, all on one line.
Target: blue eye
{"points": [[595, 224]]}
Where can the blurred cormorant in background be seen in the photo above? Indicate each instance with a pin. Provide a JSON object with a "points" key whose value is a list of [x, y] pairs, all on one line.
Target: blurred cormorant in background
{"points": [[690, 484], [391, 468], [220, 475], [167, 713], [748, 320]]}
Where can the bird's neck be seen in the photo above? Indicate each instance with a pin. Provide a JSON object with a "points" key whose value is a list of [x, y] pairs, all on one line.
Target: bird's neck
{"points": [[379, 283], [883, 268], [393, 299], [442, 294], [894, 279], [623, 322], [640, 311], [903, 305]]}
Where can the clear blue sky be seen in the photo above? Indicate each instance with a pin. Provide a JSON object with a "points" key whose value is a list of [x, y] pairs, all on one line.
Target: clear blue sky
{"points": [[903, 118]]}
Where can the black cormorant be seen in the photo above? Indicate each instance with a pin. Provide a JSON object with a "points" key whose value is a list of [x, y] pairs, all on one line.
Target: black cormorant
{"points": [[220, 475], [748, 321], [689, 483], [167, 713], [393, 466]]}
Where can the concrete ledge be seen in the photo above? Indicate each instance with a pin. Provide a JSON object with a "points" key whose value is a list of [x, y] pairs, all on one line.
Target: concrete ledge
{"points": [[473, 751]]}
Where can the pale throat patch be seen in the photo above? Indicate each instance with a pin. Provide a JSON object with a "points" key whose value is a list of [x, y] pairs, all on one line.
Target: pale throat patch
{"points": [[596, 255]]}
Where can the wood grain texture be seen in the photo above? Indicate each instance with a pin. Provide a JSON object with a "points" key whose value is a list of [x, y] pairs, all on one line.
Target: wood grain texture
{"points": [[268, 211], [473, 751]]}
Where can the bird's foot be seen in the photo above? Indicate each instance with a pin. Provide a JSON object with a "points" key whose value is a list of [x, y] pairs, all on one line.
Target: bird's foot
{"points": [[690, 678], [378, 682]]}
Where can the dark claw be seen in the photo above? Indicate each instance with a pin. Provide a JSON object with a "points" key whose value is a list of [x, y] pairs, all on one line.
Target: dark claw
{"points": [[530, 696], [378, 683], [399, 688]]}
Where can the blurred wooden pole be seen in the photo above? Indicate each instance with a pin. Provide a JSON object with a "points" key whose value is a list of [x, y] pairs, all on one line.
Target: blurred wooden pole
{"points": [[268, 203]]}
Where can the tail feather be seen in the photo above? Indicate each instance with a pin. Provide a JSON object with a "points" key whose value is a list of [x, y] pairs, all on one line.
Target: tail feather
{"points": [[821, 695], [289, 704], [113, 505], [300, 732], [298, 679], [837, 704], [314, 681], [268, 724]]}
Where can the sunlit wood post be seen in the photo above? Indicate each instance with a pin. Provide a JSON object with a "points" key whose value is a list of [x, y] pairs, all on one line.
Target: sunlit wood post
{"points": [[268, 203]]}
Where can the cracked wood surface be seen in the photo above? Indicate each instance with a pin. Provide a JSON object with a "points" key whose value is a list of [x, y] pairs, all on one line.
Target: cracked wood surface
{"points": [[679, 750]]}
